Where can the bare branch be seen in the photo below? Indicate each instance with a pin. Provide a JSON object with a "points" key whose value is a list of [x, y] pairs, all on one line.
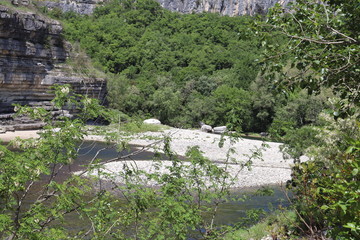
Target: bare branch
{"points": [[345, 36], [326, 42]]}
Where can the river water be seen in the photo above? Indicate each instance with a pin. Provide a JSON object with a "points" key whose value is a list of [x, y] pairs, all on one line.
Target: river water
{"points": [[229, 212]]}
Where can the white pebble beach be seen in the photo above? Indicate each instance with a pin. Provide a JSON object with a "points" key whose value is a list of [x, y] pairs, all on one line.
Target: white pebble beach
{"points": [[272, 169]]}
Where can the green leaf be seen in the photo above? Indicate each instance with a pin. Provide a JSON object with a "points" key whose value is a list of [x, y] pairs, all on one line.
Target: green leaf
{"points": [[352, 226], [324, 207]]}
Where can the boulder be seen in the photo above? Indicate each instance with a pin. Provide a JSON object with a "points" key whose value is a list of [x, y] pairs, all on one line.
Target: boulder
{"points": [[152, 121], [219, 130], [206, 128], [2, 130]]}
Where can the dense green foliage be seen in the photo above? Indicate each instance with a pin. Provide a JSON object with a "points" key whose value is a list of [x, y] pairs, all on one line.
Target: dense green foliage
{"points": [[171, 66], [327, 187], [322, 50], [202, 67], [184, 69], [324, 45], [38, 204]]}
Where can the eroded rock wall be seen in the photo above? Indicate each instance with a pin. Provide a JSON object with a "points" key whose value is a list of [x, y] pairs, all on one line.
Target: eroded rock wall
{"points": [[30, 45], [224, 7], [32, 59], [85, 7]]}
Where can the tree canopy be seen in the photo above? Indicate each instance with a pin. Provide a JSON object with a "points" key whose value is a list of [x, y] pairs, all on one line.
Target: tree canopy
{"points": [[153, 52], [322, 50], [323, 41]]}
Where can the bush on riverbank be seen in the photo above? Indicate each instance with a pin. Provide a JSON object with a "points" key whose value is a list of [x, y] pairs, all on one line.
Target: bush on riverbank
{"points": [[280, 224], [323, 47]]}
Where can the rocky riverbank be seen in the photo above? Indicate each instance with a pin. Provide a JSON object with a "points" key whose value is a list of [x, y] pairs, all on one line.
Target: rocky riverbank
{"points": [[271, 168]]}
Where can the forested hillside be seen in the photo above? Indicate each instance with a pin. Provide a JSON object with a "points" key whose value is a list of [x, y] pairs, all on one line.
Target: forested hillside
{"points": [[294, 73], [179, 68], [189, 68], [184, 69]]}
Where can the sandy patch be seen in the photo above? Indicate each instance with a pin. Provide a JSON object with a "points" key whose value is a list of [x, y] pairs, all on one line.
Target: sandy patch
{"points": [[9, 136]]}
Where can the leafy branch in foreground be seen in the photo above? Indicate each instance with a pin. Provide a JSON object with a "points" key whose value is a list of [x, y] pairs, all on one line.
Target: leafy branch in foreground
{"points": [[322, 50], [22, 171], [323, 46], [39, 202], [326, 187]]}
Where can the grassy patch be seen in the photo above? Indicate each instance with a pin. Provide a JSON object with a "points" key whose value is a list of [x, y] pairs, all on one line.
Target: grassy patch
{"points": [[279, 225], [32, 8], [139, 127], [80, 64], [6, 3], [20, 7]]}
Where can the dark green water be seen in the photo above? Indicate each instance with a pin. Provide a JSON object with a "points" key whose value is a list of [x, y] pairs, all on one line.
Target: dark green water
{"points": [[228, 213]]}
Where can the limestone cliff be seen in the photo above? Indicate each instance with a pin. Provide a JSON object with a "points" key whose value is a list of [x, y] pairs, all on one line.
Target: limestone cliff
{"points": [[32, 56], [78, 6], [224, 7]]}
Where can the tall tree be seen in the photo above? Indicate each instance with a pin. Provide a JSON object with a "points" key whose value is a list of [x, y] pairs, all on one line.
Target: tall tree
{"points": [[322, 50], [324, 42]]}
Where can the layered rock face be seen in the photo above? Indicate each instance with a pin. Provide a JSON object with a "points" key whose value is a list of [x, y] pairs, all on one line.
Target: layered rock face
{"points": [[224, 7], [29, 47], [32, 56], [79, 6]]}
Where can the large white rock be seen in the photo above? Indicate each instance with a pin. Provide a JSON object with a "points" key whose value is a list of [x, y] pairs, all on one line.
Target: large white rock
{"points": [[151, 121], [219, 130], [206, 128]]}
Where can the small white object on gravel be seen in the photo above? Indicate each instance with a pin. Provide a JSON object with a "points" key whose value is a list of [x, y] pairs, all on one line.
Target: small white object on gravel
{"points": [[152, 121]]}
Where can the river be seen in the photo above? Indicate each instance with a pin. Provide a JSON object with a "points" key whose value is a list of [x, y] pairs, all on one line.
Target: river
{"points": [[229, 212]]}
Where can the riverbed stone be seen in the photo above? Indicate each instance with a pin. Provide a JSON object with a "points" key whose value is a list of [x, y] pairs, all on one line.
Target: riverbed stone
{"points": [[206, 128], [152, 121], [219, 130]]}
